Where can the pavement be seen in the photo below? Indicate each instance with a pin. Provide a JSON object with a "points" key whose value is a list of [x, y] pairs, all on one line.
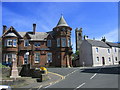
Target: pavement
{"points": [[94, 77], [53, 78]]}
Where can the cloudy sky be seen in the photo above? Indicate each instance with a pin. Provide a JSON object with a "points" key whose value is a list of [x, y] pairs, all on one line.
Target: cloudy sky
{"points": [[97, 19]]}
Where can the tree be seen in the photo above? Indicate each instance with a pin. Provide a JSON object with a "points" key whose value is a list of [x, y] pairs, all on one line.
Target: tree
{"points": [[75, 55]]}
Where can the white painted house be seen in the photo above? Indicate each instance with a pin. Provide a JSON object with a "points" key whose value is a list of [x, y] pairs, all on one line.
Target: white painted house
{"points": [[98, 53]]}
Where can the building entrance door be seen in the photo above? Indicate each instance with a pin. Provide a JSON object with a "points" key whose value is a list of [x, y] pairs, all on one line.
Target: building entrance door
{"points": [[103, 60]]}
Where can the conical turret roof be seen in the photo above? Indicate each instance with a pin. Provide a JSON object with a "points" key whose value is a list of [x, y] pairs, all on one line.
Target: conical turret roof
{"points": [[62, 22]]}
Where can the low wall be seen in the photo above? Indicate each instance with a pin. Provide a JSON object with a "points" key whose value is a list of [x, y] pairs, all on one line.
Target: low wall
{"points": [[6, 72]]}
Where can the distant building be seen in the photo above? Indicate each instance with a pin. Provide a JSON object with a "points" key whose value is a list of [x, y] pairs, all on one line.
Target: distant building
{"points": [[98, 53], [38, 48], [79, 37]]}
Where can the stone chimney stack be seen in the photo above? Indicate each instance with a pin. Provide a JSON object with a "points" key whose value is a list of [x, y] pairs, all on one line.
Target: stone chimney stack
{"points": [[34, 28], [4, 28]]}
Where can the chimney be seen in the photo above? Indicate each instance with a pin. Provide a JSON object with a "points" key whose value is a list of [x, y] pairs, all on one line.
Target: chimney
{"points": [[4, 28], [81, 29], [34, 28], [85, 37], [103, 39]]}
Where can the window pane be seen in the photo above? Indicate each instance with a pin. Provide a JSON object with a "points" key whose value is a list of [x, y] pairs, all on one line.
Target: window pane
{"points": [[26, 43], [37, 57], [49, 57], [49, 43], [109, 59], [37, 44], [9, 42], [14, 42], [69, 43], [97, 59], [58, 42], [96, 49], [25, 58], [63, 42]]}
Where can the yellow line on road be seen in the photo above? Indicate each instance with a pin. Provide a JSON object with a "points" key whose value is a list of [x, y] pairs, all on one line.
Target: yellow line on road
{"points": [[57, 75]]}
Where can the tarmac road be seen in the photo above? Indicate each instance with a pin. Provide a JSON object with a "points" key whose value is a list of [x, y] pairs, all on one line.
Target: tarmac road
{"points": [[96, 77]]}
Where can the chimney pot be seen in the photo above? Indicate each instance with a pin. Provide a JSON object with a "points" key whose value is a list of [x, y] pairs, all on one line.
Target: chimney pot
{"points": [[4, 28]]}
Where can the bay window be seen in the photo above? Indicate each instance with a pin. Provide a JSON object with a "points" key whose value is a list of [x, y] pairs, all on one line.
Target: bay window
{"points": [[63, 42], [69, 42], [58, 42], [9, 57], [10, 42]]}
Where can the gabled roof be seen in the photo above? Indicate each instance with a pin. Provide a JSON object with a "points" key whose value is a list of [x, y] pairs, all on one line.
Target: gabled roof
{"points": [[97, 43], [10, 31], [62, 22], [113, 44], [11, 34]]}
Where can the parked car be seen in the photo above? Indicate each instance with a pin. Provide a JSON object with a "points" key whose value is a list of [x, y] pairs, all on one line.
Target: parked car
{"points": [[5, 87]]}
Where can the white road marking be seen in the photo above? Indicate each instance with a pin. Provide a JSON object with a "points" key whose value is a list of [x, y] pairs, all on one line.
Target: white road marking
{"points": [[79, 86], [70, 73], [93, 76], [39, 87], [48, 85]]}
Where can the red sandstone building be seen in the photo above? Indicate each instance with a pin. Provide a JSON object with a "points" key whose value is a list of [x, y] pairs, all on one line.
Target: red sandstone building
{"points": [[38, 48]]}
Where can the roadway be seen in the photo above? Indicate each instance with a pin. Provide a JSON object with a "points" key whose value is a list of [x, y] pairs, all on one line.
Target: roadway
{"points": [[96, 77]]}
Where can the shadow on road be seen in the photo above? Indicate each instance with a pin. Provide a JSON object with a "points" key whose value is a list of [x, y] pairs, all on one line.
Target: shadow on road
{"points": [[105, 70]]}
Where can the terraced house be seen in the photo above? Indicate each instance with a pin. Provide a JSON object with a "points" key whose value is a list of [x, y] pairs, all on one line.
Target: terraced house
{"points": [[38, 48]]}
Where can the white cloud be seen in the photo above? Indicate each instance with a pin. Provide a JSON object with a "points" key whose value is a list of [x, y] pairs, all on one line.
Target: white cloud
{"points": [[111, 36]]}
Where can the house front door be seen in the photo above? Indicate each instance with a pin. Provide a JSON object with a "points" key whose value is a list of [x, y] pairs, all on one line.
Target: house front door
{"points": [[103, 60]]}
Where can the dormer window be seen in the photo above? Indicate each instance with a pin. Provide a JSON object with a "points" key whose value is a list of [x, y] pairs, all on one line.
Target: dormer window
{"points": [[26, 43]]}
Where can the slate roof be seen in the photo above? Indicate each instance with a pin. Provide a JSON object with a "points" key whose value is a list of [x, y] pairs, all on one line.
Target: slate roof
{"points": [[22, 34], [98, 43], [113, 44], [62, 22], [38, 36]]}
